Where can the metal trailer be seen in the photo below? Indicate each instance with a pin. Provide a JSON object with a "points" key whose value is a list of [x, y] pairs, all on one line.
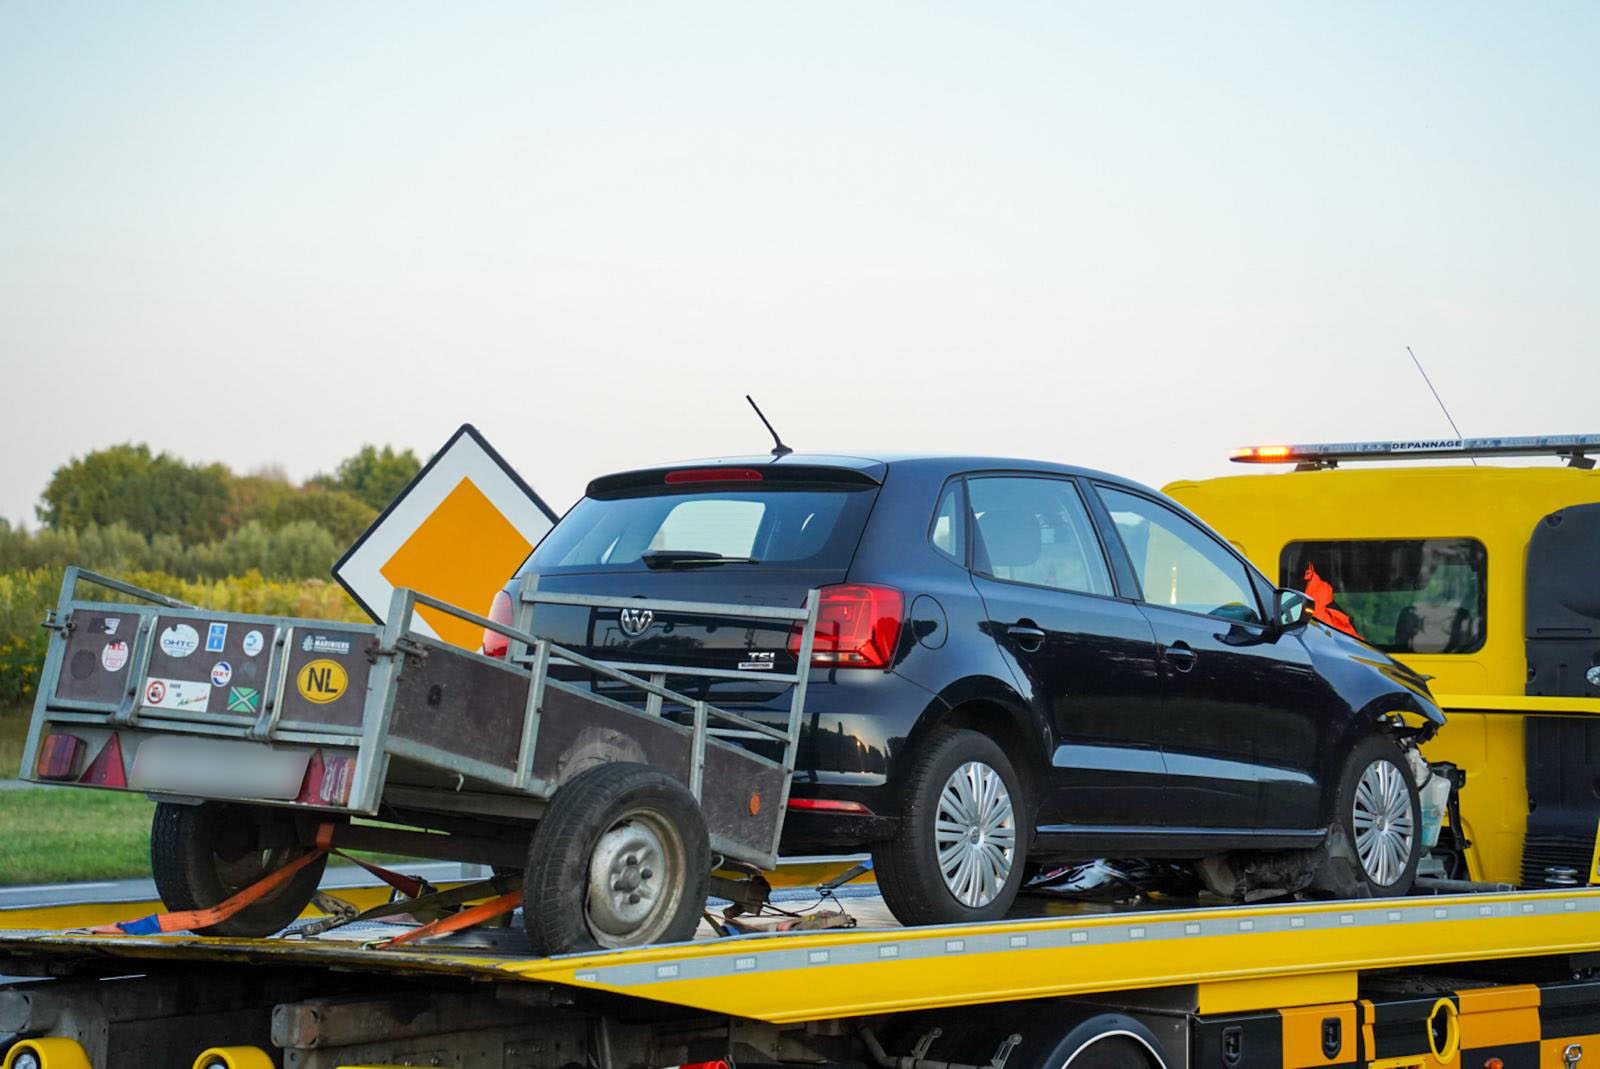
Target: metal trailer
{"points": [[290, 728], [1485, 981]]}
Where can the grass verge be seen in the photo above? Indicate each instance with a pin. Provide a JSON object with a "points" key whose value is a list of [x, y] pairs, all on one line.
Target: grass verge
{"points": [[13, 730], [61, 836]]}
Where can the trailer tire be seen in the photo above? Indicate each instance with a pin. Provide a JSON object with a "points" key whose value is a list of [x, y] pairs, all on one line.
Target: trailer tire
{"points": [[1376, 791], [914, 885], [590, 883], [202, 855]]}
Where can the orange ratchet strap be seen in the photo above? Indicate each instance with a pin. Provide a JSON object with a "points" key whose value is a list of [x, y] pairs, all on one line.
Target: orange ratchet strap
{"points": [[191, 919], [456, 921]]}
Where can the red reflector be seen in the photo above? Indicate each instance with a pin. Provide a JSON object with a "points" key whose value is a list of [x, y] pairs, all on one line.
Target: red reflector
{"points": [[714, 475], [494, 643], [828, 805], [858, 626], [58, 756], [327, 781], [107, 770]]}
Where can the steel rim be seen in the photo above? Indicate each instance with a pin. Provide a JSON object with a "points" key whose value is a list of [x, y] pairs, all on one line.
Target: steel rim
{"points": [[1384, 821], [975, 834], [634, 880], [237, 871]]}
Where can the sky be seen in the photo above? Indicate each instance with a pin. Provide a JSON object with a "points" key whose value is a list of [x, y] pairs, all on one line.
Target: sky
{"points": [[1130, 236]]}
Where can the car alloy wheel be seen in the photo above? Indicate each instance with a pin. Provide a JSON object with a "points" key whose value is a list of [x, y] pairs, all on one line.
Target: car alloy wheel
{"points": [[975, 834], [1384, 823]]}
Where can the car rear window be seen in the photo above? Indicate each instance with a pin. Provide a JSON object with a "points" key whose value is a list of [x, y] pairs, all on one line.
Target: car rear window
{"points": [[1403, 595], [783, 528]]}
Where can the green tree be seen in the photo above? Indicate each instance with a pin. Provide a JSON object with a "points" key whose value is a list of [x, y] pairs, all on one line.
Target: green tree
{"points": [[375, 475], [149, 493], [340, 514], [254, 496]]}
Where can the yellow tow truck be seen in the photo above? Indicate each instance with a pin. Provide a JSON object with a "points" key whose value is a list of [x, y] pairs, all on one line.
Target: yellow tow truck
{"points": [[1485, 577]]}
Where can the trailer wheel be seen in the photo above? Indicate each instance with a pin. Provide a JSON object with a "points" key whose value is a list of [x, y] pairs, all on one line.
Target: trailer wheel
{"points": [[958, 855], [621, 859], [202, 855], [1377, 836]]}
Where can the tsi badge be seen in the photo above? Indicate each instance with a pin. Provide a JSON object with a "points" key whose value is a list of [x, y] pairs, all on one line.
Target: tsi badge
{"points": [[635, 622], [757, 661]]}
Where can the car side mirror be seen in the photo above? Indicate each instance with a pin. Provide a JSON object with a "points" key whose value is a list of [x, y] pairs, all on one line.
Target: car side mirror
{"points": [[1293, 609]]}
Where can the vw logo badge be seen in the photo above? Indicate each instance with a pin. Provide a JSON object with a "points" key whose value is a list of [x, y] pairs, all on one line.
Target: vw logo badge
{"points": [[635, 622]]}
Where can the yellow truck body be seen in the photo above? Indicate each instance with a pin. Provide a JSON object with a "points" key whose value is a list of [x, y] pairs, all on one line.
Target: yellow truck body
{"points": [[1482, 690]]}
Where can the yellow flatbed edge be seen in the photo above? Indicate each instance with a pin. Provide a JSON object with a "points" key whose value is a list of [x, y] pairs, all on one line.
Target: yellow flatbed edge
{"points": [[1517, 703], [798, 977]]}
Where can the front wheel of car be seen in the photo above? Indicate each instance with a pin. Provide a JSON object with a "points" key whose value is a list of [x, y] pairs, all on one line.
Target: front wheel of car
{"points": [[1379, 819], [958, 853]]}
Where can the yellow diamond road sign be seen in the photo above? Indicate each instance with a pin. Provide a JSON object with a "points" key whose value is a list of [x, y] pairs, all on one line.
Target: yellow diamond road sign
{"points": [[457, 533]]}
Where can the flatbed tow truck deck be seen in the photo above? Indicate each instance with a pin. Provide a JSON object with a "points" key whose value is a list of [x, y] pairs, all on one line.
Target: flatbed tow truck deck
{"points": [[1379, 981], [1489, 979]]}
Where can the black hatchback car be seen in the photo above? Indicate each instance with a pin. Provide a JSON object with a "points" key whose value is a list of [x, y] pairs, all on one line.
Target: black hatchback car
{"points": [[1017, 663]]}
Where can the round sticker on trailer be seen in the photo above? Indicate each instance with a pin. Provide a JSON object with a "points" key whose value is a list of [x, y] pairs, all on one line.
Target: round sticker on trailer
{"points": [[155, 692], [321, 681], [179, 640], [252, 643], [1593, 676], [114, 656], [221, 672]]}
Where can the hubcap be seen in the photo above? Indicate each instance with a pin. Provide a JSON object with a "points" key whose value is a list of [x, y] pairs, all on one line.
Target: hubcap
{"points": [[1384, 822], [634, 880], [975, 834]]}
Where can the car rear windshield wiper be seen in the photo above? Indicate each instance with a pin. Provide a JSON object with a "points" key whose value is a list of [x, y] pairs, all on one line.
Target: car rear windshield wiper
{"points": [[679, 558]]}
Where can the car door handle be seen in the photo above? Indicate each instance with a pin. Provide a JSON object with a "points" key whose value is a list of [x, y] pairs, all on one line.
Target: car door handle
{"points": [[1180, 656], [1026, 634]]}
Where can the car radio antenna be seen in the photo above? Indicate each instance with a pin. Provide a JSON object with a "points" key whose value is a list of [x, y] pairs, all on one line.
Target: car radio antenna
{"points": [[1439, 399], [778, 448]]}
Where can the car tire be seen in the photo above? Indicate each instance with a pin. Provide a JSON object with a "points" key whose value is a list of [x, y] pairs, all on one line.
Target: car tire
{"points": [[954, 768], [621, 858], [1375, 843], [202, 855]]}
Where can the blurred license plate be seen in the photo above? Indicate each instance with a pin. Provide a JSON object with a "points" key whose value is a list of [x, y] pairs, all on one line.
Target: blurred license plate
{"points": [[209, 768]]}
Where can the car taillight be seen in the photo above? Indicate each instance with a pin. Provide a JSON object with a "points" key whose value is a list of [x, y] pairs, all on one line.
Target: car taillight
{"points": [[494, 643], [858, 626]]}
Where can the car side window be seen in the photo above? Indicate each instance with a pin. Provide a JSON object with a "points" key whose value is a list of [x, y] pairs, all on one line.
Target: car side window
{"points": [[1036, 530], [1178, 564], [949, 531]]}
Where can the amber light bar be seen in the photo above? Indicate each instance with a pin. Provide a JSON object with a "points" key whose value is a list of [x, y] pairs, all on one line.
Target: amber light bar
{"points": [[1574, 448]]}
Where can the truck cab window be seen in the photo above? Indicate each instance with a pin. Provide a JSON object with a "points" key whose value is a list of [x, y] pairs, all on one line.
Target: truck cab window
{"points": [[1403, 595]]}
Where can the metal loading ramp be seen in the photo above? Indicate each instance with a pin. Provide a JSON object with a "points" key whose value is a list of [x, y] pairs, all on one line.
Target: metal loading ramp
{"points": [[792, 977]]}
